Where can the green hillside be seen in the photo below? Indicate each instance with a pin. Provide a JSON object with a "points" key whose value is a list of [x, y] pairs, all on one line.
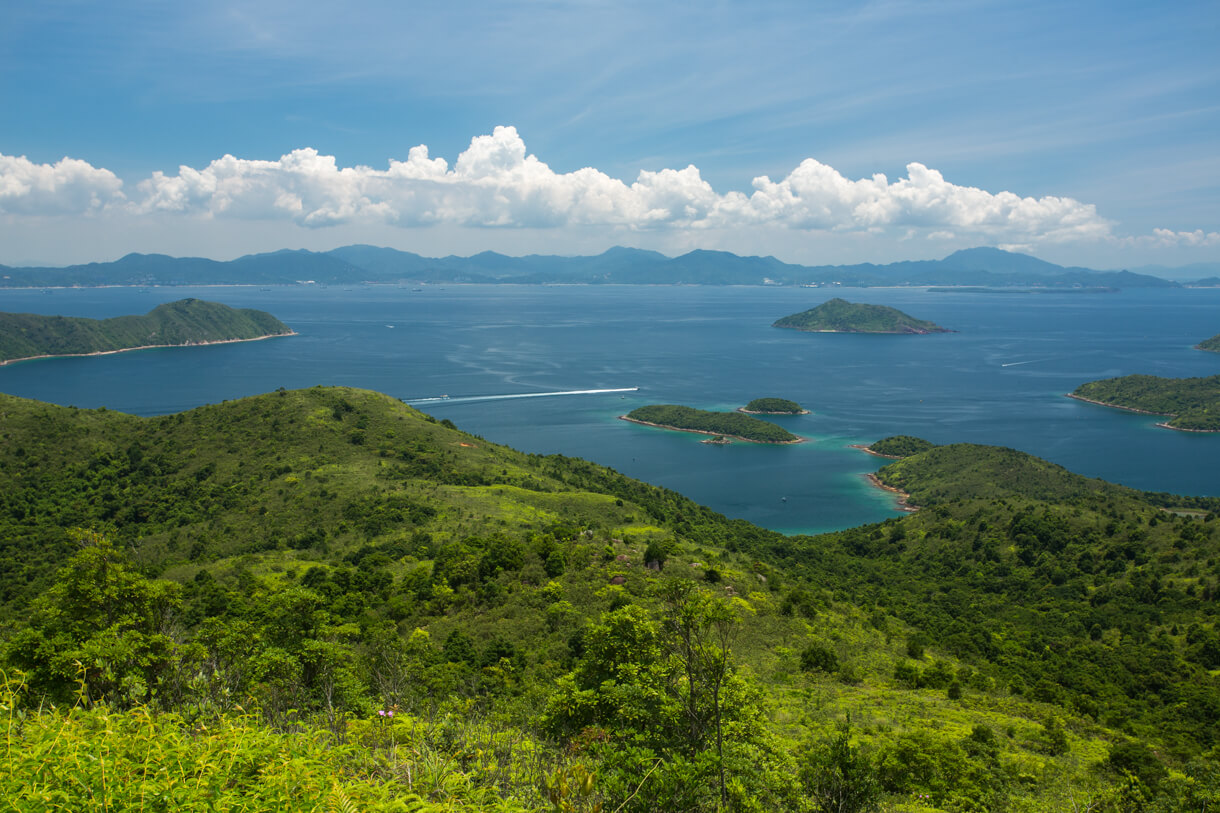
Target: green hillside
{"points": [[1212, 344], [187, 321], [322, 599], [840, 316], [1190, 403]]}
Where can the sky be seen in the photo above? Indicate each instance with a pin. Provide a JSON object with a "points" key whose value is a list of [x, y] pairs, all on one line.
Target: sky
{"points": [[1084, 133]]}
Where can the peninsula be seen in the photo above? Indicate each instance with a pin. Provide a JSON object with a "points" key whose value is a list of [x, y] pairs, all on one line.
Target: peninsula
{"points": [[896, 447], [26, 336], [773, 406], [1191, 404], [1211, 345], [840, 316], [727, 424]]}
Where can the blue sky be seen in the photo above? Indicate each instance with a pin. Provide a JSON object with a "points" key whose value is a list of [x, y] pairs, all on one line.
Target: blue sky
{"points": [[1080, 132]]}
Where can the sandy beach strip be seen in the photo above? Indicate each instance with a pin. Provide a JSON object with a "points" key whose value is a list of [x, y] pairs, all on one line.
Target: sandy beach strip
{"points": [[145, 347]]}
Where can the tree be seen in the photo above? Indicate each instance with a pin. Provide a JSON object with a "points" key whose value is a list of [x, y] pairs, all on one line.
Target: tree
{"points": [[698, 631], [100, 626], [840, 778]]}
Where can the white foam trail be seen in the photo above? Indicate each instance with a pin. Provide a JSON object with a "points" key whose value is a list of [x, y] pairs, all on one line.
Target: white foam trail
{"points": [[471, 398], [1015, 363]]}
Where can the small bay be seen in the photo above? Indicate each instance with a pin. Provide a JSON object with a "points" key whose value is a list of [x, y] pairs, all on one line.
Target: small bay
{"points": [[1000, 379]]}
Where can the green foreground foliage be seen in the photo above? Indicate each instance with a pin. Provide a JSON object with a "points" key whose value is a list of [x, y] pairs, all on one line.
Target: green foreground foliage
{"points": [[731, 424], [326, 600], [1191, 403], [840, 316], [187, 321]]}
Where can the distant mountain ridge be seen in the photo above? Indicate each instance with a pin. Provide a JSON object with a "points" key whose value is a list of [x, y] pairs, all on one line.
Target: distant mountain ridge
{"points": [[357, 264]]}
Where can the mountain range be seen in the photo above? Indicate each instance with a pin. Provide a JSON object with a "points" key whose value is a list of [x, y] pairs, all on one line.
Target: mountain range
{"points": [[359, 264]]}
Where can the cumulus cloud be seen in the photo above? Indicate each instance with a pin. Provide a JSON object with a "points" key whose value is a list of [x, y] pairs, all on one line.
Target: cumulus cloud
{"points": [[69, 186], [497, 183], [1168, 238]]}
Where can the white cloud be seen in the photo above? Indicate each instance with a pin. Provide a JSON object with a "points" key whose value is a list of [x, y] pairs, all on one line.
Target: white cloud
{"points": [[1167, 238], [69, 186], [496, 183]]}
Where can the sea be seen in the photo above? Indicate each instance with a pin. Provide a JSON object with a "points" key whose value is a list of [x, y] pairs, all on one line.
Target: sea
{"points": [[548, 369]]}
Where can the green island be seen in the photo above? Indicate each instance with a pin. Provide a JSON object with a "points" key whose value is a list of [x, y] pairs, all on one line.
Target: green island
{"points": [[840, 316], [729, 424], [1211, 345], [25, 336], [324, 599], [1192, 404], [773, 406], [898, 446]]}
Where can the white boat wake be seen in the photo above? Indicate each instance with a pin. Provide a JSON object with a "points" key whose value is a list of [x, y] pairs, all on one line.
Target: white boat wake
{"points": [[465, 399]]}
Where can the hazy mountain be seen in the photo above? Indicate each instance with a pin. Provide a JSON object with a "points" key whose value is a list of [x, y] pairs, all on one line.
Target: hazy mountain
{"points": [[362, 263]]}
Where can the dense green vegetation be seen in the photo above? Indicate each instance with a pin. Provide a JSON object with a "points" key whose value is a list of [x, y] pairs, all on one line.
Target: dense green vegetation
{"points": [[1212, 344], [187, 321], [900, 446], [840, 316], [731, 424], [324, 599], [775, 406], [1192, 403]]}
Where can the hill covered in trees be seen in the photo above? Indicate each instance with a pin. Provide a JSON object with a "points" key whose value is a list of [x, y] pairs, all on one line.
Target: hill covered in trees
{"points": [[840, 316], [324, 599], [1191, 403], [1212, 344], [728, 424], [185, 322]]}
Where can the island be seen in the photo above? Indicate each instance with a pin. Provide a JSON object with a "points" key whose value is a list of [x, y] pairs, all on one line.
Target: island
{"points": [[1191, 404], [705, 422], [896, 447], [773, 406], [840, 316], [27, 336], [1211, 345]]}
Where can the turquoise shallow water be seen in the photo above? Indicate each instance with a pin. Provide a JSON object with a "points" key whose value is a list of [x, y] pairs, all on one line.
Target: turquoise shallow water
{"points": [[1000, 379]]}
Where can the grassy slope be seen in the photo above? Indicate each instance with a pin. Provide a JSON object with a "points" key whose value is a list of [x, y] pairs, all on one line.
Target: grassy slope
{"points": [[26, 335], [1003, 573]]}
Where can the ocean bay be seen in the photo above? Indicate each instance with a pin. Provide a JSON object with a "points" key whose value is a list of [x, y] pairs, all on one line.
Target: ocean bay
{"points": [[999, 380]]}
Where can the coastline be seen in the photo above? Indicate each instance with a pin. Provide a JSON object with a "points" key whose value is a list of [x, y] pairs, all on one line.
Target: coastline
{"points": [[1161, 424], [745, 411], [145, 347], [722, 434], [869, 450], [904, 499]]}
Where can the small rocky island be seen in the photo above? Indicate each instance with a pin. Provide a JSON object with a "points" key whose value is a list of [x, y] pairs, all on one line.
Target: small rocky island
{"points": [[773, 406], [840, 316], [26, 336], [721, 425], [1191, 404]]}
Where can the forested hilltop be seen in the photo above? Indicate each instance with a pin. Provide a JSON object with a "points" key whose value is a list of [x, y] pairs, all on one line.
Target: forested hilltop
{"points": [[324, 599], [1192, 404], [840, 316], [187, 321], [1212, 344], [728, 424]]}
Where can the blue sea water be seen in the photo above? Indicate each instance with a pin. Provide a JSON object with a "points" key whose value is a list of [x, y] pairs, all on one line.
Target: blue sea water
{"points": [[999, 380]]}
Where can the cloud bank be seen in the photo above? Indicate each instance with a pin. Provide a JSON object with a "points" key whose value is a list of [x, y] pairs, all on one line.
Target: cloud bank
{"points": [[496, 183]]}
